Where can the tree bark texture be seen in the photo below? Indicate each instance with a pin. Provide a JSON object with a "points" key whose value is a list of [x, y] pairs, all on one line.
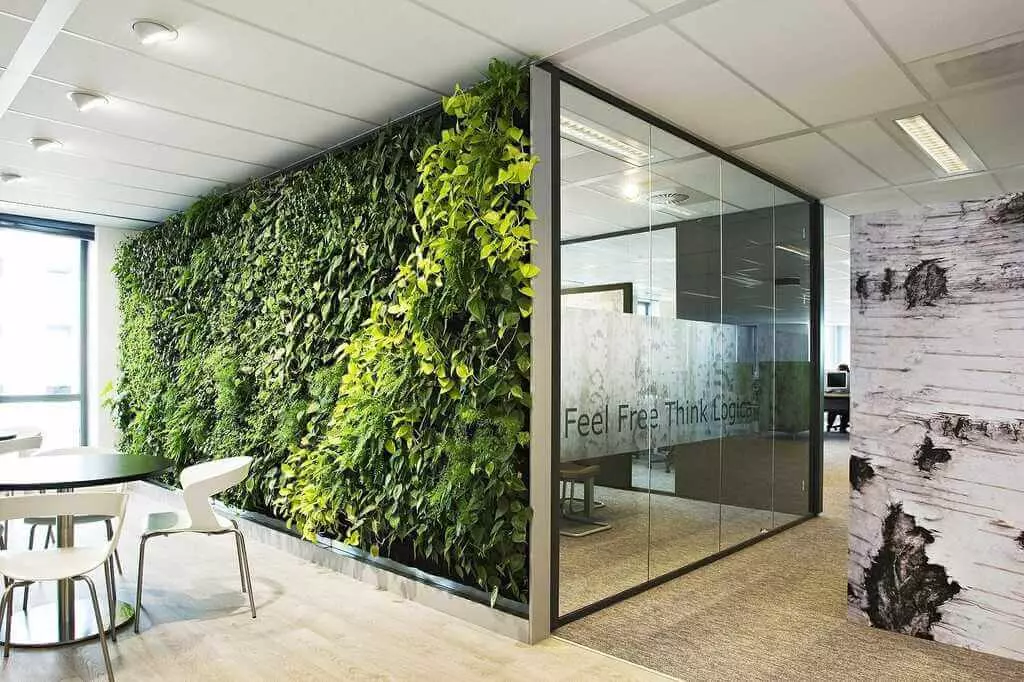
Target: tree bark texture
{"points": [[937, 444]]}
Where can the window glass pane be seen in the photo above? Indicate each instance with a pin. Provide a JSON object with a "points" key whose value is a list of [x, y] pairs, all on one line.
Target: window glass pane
{"points": [[60, 423], [40, 314]]}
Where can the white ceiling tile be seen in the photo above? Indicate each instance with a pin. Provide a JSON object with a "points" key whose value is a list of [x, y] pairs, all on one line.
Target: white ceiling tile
{"points": [[51, 213], [873, 146], [919, 28], [27, 9], [135, 78], [29, 194], [992, 124], [391, 35], [592, 165], [98, 145], [969, 188], [241, 53], [569, 149], [540, 27], [97, 189], [664, 73], [871, 202], [1012, 179], [812, 162], [821, 62], [12, 31], [618, 211], [658, 5], [49, 100], [26, 161]]}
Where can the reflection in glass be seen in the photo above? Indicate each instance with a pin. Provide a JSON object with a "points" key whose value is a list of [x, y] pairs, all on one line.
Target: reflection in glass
{"points": [[685, 353]]}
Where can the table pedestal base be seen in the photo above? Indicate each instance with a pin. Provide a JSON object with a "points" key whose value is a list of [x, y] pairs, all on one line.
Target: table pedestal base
{"points": [[38, 626]]}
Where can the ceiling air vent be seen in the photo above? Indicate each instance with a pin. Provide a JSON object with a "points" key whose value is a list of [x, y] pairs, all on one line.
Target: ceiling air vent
{"points": [[669, 199], [983, 66]]}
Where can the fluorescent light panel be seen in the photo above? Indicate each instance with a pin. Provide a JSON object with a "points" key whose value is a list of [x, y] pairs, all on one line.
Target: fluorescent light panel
{"points": [[928, 138], [803, 253], [584, 134]]}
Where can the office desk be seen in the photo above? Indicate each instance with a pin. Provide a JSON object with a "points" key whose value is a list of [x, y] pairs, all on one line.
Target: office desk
{"points": [[837, 401]]}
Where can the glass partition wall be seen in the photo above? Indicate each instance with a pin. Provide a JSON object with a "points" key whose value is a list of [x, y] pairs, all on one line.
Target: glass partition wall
{"points": [[685, 423]]}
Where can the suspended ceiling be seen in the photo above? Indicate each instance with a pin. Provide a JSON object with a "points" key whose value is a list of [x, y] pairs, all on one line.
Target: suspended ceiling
{"points": [[806, 89]]}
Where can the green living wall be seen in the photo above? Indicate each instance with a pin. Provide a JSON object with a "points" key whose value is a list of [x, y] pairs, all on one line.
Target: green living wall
{"points": [[359, 327]]}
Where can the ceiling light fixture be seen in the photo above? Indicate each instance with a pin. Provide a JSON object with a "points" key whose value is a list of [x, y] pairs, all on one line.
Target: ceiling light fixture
{"points": [[630, 191], [85, 101], [928, 138], [151, 32], [591, 137], [803, 253], [9, 177], [745, 281], [45, 144]]}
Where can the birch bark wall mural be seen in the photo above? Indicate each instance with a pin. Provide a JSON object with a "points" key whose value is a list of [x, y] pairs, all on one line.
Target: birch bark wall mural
{"points": [[937, 448]]}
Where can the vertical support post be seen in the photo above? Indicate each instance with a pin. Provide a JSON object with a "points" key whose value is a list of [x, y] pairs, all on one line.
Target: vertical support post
{"points": [[817, 463], [66, 588], [83, 349], [544, 375]]}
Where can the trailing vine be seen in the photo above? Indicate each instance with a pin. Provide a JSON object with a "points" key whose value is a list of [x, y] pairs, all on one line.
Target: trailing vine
{"points": [[359, 327], [427, 442]]}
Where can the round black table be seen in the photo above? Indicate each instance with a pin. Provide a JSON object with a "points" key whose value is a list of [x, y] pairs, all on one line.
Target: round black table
{"points": [[56, 624]]}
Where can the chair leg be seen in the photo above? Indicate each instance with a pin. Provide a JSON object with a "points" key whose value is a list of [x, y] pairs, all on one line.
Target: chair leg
{"points": [[238, 550], [108, 576], [243, 560], [49, 538], [110, 535], [99, 619], [138, 586], [31, 545], [6, 605]]}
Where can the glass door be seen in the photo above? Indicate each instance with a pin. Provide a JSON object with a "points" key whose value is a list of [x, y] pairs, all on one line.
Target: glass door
{"points": [[42, 335]]}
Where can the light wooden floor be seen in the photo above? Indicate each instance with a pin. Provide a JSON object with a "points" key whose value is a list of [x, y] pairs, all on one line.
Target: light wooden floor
{"points": [[312, 624]]}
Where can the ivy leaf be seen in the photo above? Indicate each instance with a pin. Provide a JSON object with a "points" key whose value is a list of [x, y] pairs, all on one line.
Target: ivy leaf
{"points": [[476, 308], [529, 270]]}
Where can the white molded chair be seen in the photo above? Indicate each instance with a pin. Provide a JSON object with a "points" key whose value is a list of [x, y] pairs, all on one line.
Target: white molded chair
{"points": [[51, 522], [199, 483], [26, 439], [24, 567]]}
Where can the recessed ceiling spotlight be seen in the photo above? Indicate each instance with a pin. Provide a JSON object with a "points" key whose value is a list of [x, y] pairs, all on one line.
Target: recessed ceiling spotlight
{"points": [[928, 138], [45, 144], [84, 101], [9, 177], [151, 32], [630, 191]]}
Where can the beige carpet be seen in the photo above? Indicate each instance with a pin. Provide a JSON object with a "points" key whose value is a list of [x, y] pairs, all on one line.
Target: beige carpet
{"points": [[649, 535], [775, 610]]}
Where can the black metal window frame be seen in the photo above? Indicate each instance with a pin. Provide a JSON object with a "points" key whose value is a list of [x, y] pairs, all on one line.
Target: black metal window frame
{"points": [[85, 234], [815, 420]]}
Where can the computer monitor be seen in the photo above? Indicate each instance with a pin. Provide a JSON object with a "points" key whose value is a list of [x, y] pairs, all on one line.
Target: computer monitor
{"points": [[834, 380]]}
